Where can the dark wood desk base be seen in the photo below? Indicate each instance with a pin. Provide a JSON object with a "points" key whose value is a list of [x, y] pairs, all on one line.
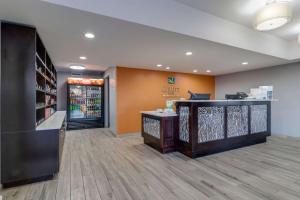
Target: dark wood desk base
{"points": [[164, 139]]}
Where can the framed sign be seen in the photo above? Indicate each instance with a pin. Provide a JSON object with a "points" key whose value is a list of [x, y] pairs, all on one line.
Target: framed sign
{"points": [[171, 80]]}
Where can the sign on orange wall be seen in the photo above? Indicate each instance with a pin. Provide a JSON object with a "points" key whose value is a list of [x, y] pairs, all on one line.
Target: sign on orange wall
{"points": [[85, 81]]}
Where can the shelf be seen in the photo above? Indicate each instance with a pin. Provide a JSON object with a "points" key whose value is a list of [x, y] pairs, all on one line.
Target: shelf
{"points": [[41, 73], [85, 97], [49, 93], [39, 90], [48, 69], [37, 55], [49, 81], [40, 107], [51, 105]]}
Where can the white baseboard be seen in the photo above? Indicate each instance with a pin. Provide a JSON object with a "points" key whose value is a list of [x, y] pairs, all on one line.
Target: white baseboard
{"points": [[285, 136]]}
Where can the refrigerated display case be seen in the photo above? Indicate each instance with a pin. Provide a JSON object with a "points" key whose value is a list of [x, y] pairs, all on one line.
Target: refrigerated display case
{"points": [[85, 103]]}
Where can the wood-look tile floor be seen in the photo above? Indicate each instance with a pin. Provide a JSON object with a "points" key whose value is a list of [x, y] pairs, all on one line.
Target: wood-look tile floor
{"points": [[96, 166]]}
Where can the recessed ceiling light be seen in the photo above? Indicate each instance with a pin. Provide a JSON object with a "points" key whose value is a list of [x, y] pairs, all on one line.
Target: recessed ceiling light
{"points": [[159, 65], [82, 58], [77, 67], [189, 53], [168, 68], [195, 71], [208, 71], [89, 35], [245, 63]]}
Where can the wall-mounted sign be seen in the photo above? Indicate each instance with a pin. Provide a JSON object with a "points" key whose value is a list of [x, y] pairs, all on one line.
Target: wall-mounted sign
{"points": [[171, 80], [170, 91]]}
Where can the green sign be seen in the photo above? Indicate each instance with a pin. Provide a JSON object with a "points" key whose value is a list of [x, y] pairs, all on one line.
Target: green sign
{"points": [[171, 80]]}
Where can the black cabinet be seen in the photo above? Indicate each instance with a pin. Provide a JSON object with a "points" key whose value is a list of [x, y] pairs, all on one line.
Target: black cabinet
{"points": [[28, 98]]}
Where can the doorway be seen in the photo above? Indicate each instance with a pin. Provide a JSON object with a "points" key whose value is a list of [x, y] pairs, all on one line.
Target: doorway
{"points": [[106, 103]]}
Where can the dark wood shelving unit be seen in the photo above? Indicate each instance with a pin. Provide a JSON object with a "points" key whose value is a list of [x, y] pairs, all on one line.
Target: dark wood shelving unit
{"points": [[45, 83], [29, 153]]}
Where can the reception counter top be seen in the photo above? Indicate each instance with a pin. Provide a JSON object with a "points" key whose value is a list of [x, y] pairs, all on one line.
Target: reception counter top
{"points": [[160, 114], [226, 100]]}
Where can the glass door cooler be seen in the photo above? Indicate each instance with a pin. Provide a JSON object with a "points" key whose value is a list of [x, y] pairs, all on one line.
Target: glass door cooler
{"points": [[85, 103]]}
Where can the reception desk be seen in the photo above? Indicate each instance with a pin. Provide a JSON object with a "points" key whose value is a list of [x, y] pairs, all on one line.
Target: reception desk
{"points": [[209, 126]]}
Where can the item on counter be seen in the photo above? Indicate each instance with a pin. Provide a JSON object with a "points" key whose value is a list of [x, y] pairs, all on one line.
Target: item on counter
{"points": [[262, 92], [199, 96], [159, 110], [238, 95], [169, 104], [169, 110]]}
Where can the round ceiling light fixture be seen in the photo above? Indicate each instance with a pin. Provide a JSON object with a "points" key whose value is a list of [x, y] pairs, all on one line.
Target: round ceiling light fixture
{"points": [[188, 53], [89, 35], [272, 16], [77, 67]]}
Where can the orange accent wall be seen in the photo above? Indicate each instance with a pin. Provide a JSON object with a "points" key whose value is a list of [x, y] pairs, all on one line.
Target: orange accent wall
{"points": [[141, 90]]}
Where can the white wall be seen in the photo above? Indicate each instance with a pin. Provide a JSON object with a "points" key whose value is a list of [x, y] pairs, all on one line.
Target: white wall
{"points": [[112, 74], [286, 82], [0, 106]]}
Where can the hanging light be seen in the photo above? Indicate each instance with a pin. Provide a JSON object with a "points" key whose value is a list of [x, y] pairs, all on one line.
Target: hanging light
{"points": [[272, 16]]}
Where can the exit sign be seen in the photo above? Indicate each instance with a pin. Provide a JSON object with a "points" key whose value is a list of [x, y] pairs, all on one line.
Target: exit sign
{"points": [[171, 80]]}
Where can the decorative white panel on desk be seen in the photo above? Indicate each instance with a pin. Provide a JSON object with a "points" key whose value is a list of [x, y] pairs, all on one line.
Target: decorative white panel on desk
{"points": [[237, 121], [152, 127], [210, 124], [259, 118], [184, 113]]}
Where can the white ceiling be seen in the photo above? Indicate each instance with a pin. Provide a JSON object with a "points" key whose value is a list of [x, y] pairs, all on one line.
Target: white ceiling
{"points": [[243, 12], [126, 42]]}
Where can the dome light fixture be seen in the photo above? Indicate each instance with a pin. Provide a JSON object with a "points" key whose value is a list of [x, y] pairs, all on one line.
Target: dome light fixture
{"points": [[77, 67], [272, 16], [89, 35]]}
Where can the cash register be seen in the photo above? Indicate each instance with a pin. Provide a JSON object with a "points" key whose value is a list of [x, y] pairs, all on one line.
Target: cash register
{"points": [[238, 95]]}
